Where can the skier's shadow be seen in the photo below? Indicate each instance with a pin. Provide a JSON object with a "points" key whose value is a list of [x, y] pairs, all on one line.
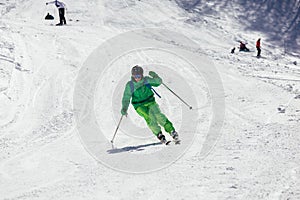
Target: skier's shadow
{"points": [[132, 148]]}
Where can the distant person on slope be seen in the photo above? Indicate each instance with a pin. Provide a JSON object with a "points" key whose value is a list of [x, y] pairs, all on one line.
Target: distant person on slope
{"points": [[258, 47], [243, 46], [61, 10], [232, 50], [139, 90]]}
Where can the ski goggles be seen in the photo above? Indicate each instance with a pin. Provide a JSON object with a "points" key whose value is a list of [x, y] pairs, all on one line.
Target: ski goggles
{"points": [[137, 76]]}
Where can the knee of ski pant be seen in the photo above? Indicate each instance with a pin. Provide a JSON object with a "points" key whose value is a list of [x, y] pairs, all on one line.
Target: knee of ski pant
{"points": [[161, 118], [154, 108]]}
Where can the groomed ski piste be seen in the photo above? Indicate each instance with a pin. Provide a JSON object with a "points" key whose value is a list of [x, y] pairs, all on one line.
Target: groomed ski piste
{"points": [[49, 151]]}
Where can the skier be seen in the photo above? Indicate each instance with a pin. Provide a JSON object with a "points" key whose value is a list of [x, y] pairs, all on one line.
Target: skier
{"points": [[139, 90], [61, 10], [243, 46], [258, 47]]}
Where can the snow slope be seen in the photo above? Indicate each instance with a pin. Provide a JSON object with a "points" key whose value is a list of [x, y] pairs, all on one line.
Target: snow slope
{"points": [[279, 20], [43, 155]]}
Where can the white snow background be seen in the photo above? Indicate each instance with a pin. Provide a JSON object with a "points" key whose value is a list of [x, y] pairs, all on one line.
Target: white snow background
{"points": [[42, 153]]}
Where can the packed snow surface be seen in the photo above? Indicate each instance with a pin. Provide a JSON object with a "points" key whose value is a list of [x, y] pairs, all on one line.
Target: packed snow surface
{"points": [[44, 154]]}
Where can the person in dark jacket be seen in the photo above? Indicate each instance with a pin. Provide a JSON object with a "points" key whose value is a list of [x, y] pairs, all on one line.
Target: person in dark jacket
{"points": [[61, 10], [243, 46]]}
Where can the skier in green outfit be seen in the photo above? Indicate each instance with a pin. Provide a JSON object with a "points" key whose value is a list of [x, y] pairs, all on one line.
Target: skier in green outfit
{"points": [[139, 90]]}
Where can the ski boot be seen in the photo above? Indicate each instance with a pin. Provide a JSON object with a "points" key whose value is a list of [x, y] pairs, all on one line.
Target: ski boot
{"points": [[175, 137], [162, 138]]}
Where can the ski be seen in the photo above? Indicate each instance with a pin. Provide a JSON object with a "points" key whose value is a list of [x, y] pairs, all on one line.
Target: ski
{"points": [[176, 142]]}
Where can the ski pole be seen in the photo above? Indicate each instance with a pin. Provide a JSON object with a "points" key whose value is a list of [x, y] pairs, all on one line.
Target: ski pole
{"points": [[190, 107], [112, 140], [155, 92]]}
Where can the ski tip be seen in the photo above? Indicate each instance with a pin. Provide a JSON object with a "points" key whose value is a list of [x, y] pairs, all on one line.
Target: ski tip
{"points": [[168, 142], [178, 142]]}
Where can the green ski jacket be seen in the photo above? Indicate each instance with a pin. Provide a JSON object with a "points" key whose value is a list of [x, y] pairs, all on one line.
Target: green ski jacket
{"points": [[141, 93]]}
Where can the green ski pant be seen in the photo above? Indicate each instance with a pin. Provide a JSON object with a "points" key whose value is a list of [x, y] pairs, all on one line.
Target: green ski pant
{"points": [[154, 117]]}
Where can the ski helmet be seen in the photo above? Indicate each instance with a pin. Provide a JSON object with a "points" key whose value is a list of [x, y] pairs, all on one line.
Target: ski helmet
{"points": [[137, 70]]}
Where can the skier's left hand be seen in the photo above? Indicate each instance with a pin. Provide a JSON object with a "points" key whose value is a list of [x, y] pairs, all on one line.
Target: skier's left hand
{"points": [[124, 112], [153, 74]]}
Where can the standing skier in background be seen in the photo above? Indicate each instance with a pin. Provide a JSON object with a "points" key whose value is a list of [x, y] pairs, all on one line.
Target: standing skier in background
{"points": [[258, 47], [61, 10], [139, 88]]}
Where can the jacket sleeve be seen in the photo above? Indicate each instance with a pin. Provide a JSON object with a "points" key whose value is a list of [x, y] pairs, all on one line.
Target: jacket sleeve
{"points": [[126, 97], [60, 4], [155, 81], [51, 2]]}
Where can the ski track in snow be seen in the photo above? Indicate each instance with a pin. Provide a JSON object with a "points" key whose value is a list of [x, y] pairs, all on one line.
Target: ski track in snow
{"points": [[41, 155]]}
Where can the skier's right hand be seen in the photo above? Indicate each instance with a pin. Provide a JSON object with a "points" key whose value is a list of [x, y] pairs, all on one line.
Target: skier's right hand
{"points": [[124, 112]]}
